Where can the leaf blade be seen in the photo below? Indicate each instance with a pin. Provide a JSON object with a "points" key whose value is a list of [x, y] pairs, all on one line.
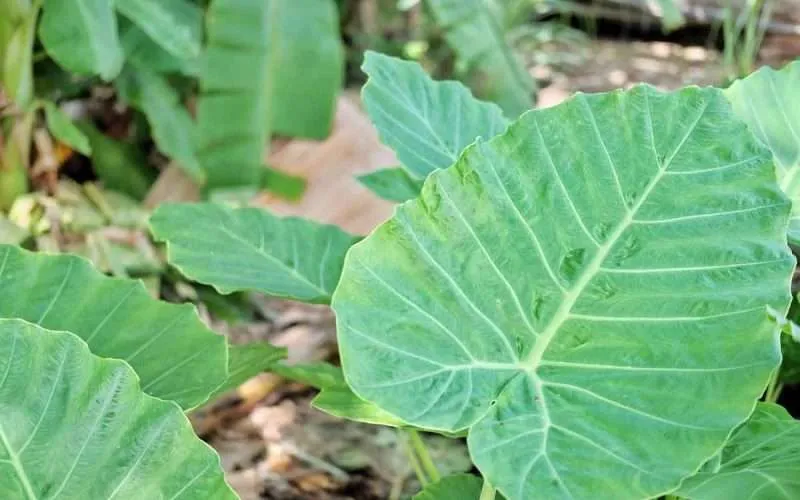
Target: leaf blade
{"points": [[175, 25], [64, 130], [426, 123], [767, 101], [303, 100], [393, 184], [499, 299], [262, 251], [475, 32], [144, 447], [82, 36], [174, 354], [172, 126], [758, 462]]}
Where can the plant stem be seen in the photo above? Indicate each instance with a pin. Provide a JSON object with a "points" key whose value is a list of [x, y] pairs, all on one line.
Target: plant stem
{"points": [[415, 466], [773, 389], [487, 491], [420, 454]]}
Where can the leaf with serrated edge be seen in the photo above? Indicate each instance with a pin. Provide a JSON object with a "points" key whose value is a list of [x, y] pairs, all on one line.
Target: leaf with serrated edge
{"points": [[769, 102], [760, 462], [175, 355], [426, 123], [251, 249], [586, 294], [77, 426]]}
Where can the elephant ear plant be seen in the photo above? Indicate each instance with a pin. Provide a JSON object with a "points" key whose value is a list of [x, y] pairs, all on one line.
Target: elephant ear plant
{"points": [[94, 378], [583, 293]]}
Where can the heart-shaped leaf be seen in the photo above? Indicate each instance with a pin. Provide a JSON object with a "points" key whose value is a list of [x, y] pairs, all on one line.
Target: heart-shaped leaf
{"points": [[760, 462], [251, 249], [75, 426], [769, 102], [586, 294]]}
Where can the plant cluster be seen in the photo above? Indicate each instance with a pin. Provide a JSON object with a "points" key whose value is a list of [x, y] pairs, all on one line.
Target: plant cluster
{"points": [[595, 295]]}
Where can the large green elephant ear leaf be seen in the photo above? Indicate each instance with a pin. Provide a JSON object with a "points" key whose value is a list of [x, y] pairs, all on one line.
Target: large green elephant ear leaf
{"points": [[174, 354], [426, 123], [769, 102], [760, 462], [577, 292], [251, 249], [74, 426]]}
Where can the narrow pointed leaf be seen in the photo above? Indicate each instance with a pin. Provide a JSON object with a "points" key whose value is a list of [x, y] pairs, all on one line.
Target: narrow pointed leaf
{"points": [[74, 425], [760, 462], [576, 292], [64, 130], [427, 123], [176, 25], [307, 71], [455, 487], [393, 184], [174, 354], [81, 35], [475, 31], [251, 249], [769, 102]]}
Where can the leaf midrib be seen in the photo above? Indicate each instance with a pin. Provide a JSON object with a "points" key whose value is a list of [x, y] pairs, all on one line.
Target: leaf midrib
{"points": [[534, 358]]}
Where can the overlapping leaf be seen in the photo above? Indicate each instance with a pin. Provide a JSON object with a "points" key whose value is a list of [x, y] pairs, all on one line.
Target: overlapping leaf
{"points": [[760, 462], [769, 102], [251, 249], [76, 426], [174, 354], [476, 33], [574, 291], [427, 123], [81, 36]]}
